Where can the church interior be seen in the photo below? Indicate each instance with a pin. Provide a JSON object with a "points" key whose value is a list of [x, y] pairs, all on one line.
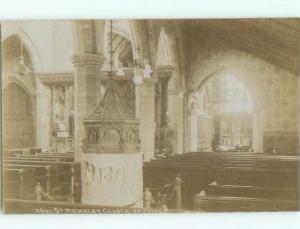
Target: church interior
{"points": [[115, 116]]}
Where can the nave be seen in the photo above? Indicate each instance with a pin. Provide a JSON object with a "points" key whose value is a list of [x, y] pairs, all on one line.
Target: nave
{"points": [[150, 115]]}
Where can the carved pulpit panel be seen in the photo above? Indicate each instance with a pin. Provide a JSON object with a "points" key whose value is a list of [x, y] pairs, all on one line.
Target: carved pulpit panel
{"points": [[112, 127]]}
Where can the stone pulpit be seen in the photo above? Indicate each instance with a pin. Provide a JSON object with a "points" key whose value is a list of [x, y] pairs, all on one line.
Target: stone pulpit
{"points": [[112, 127], [112, 161]]}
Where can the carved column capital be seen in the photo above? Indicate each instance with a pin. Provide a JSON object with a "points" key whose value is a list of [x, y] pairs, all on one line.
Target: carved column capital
{"points": [[164, 71], [88, 59], [150, 81]]}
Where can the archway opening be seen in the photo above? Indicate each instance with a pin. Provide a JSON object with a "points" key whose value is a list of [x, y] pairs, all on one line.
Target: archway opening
{"points": [[164, 135], [121, 48], [14, 51], [18, 106], [224, 115]]}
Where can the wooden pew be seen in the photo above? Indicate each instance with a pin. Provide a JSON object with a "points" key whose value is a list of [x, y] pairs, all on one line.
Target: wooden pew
{"points": [[13, 182], [270, 163], [67, 174], [32, 158], [15, 152], [230, 204], [232, 168], [43, 174], [56, 154], [261, 192], [49, 158]]}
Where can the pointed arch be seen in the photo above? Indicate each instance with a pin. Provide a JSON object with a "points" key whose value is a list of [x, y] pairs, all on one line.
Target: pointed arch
{"points": [[127, 29], [134, 40], [29, 46], [21, 84], [163, 52], [212, 71], [227, 76], [234, 63]]}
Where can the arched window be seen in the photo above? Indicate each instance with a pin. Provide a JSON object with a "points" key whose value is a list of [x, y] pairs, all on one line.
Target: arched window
{"points": [[224, 114], [234, 97]]}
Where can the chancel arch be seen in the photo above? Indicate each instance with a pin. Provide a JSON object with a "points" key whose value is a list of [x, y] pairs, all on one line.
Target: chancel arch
{"points": [[221, 115], [262, 81]]}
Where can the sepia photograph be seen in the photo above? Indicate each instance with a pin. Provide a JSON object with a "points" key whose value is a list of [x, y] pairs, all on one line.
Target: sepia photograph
{"points": [[117, 116]]}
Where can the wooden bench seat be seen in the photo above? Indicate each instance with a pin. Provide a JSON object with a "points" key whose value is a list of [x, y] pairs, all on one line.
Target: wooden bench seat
{"points": [[32, 159], [37, 162], [43, 174], [50, 158], [15, 152], [260, 177], [271, 173], [230, 204], [63, 179], [253, 191], [57, 173], [55, 154], [219, 166], [13, 181]]}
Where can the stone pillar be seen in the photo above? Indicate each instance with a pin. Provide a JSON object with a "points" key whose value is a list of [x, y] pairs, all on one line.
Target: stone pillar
{"points": [[192, 123], [176, 113], [257, 132], [206, 131], [193, 130], [51, 120], [66, 107], [145, 104], [87, 70], [298, 111], [164, 109], [185, 122], [42, 132], [172, 108]]}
